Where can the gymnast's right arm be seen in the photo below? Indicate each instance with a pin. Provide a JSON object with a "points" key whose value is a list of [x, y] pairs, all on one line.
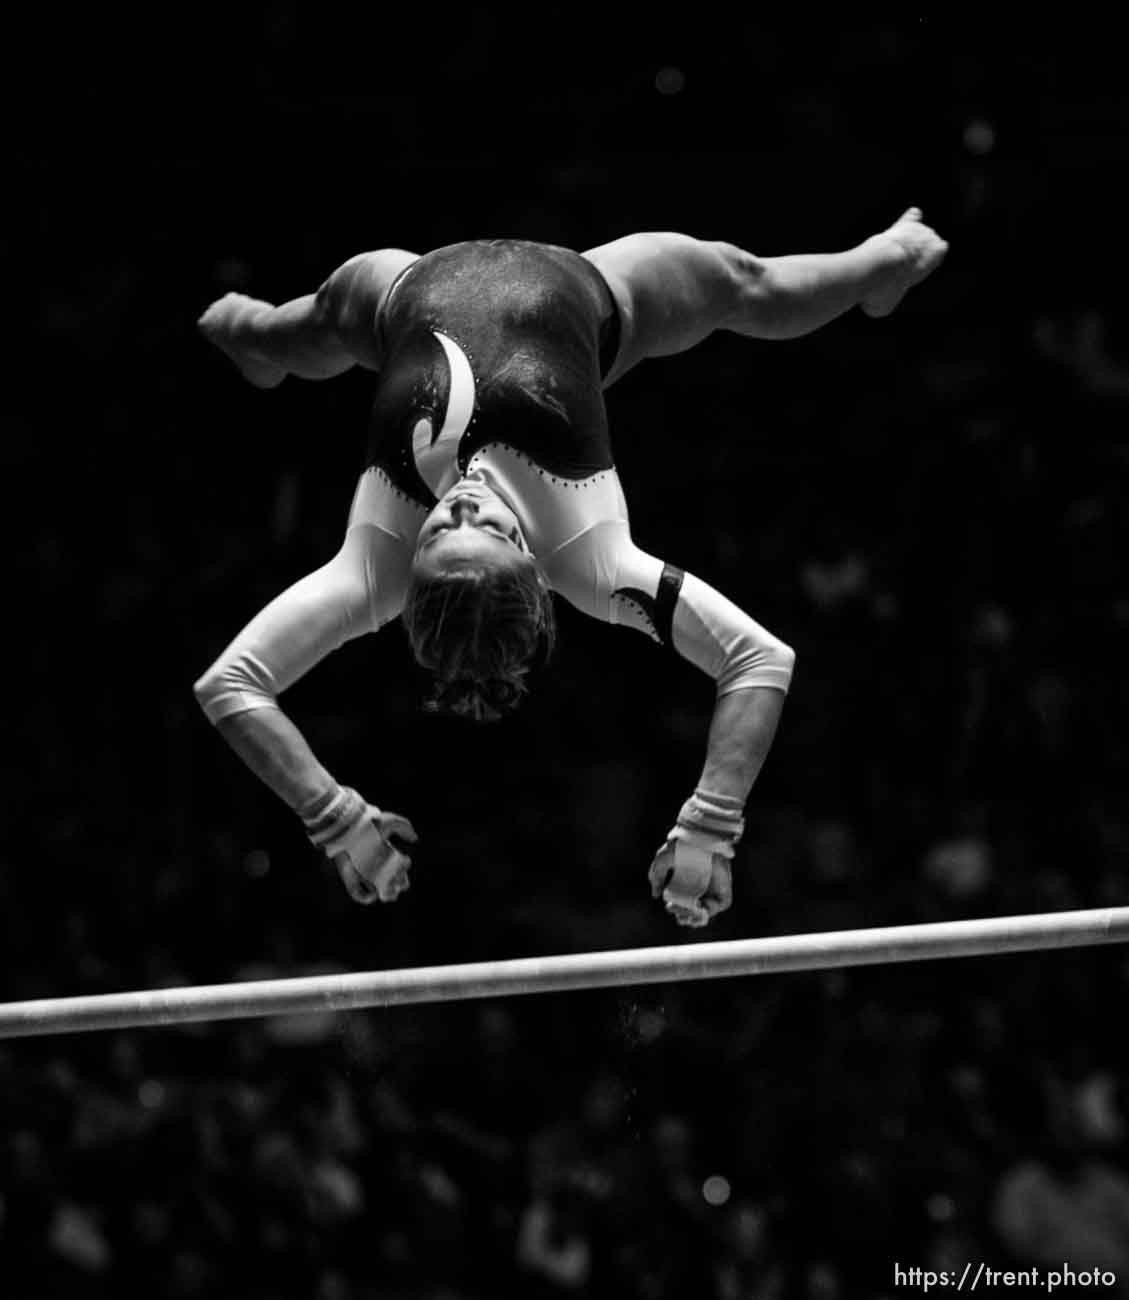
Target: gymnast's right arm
{"points": [[345, 598], [316, 336], [603, 573]]}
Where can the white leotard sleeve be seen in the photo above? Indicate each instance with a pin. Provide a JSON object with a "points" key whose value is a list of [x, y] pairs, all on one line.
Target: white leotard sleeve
{"points": [[358, 591], [603, 573]]}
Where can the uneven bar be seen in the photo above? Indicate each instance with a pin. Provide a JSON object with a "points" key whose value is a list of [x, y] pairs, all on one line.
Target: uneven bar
{"points": [[691, 961]]}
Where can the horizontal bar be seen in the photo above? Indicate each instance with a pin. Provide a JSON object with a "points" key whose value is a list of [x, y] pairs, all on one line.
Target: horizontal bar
{"points": [[691, 961]]}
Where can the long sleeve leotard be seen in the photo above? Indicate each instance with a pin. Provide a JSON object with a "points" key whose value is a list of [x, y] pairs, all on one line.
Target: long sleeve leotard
{"points": [[492, 357]]}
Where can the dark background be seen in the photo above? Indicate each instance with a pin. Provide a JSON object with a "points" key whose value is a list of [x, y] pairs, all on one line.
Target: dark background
{"points": [[931, 509]]}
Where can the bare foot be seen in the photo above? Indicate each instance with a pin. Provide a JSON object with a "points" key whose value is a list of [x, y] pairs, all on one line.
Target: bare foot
{"points": [[221, 324], [915, 251]]}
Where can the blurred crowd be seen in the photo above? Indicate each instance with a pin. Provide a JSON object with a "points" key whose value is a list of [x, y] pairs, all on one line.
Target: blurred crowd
{"points": [[931, 510]]}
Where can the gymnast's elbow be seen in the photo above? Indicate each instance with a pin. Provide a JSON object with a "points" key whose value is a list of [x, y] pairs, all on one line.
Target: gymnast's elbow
{"points": [[207, 689], [780, 658], [769, 663], [235, 683], [223, 690]]}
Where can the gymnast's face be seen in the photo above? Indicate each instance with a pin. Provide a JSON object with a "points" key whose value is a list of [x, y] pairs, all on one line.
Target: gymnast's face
{"points": [[471, 524]]}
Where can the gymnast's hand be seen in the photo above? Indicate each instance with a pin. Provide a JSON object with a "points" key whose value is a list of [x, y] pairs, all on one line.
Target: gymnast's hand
{"points": [[365, 845], [695, 884], [691, 871]]}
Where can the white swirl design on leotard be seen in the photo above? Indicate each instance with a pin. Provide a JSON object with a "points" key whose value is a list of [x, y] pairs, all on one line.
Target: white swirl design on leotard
{"points": [[435, 455]]}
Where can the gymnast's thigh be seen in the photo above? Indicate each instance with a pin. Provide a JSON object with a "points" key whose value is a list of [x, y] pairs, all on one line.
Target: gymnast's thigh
{"points": [[672, 291]]}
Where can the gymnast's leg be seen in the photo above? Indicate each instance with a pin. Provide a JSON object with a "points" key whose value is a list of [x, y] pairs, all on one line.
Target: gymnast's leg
{"points": [[315, 336], [674, 290]]}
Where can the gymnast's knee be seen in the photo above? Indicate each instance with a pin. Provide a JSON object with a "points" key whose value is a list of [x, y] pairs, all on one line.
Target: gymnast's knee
{"points": [[748, 281]]}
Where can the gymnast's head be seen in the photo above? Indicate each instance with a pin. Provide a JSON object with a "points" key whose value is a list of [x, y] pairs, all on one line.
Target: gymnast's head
{"points": [[478, 611]]}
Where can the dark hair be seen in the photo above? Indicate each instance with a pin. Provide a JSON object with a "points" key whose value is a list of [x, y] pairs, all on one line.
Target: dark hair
{"points": [[479, 628]]}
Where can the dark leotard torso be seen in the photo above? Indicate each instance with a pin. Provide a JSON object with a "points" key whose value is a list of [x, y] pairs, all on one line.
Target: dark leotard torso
{"points": [[538, 327]]}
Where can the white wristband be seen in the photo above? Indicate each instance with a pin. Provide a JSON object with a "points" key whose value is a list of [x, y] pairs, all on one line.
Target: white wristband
{"points": [[706, 812], [334, 823]]}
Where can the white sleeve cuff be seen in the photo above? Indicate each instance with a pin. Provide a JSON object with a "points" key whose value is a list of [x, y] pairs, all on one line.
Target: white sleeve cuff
{"points": [[725, 642]]}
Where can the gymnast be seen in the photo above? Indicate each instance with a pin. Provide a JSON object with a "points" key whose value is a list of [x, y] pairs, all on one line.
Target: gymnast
{"points": [[490, 484]]}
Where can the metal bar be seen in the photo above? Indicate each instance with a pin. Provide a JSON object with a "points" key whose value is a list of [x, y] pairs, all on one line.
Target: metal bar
{"points": [[691, 961]]}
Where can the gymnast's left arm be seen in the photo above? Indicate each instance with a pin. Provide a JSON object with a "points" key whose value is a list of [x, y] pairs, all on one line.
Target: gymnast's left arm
{"points": [[752, 670], [356, 592]]}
